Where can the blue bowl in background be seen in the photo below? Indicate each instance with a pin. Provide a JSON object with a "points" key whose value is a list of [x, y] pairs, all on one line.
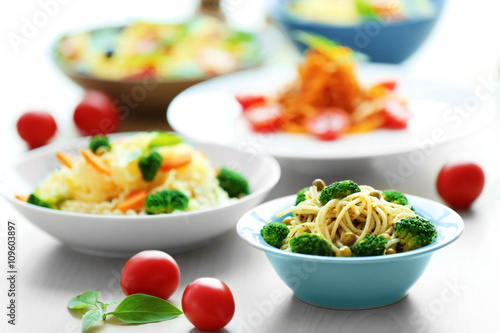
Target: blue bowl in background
{"points": [[354, 282], [384, 42]]}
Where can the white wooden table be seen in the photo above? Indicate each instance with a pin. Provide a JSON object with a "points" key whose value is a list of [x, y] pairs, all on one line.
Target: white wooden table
{"points": [[457, 293]]}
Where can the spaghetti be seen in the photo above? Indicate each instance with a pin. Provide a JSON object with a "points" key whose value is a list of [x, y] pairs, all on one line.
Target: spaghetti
{"points": [[345, 222]]}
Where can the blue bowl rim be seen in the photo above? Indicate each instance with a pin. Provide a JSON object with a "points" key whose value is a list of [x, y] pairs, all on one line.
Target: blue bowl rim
{"points": [[252, 216], [278, 13]]}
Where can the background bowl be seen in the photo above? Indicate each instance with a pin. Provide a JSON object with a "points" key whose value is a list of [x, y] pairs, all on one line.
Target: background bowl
{"points": [[122, 236], [382, 42], [151, 95], [350, 283]]}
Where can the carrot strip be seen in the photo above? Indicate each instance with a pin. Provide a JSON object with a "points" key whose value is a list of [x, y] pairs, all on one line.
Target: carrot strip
{"points": [[135, 200], [22, 197], [368, 124], [175, 162], [96, 162], [66, 159]]}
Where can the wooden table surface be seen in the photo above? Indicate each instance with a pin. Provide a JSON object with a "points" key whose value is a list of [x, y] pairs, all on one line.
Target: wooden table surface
{"points": [[457, 293]]}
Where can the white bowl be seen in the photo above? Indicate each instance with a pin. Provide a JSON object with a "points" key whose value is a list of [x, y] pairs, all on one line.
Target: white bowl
{"points": [[430, 102], [122, 236]]}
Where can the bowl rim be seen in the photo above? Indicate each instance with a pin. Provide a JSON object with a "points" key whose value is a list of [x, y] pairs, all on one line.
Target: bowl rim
{"points": [[71, 73], [278, 13], [260, 244], [7, 193]]}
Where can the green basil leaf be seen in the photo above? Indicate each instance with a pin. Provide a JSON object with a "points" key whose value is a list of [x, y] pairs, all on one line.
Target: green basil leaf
{"points": [[141, 308], [164, 139], [85, 300], [105, 305], [90, 318]]}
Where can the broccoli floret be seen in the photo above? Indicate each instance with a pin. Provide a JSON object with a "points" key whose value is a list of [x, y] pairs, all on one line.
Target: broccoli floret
{"points": [[175, 200], [414, 232], [301, 195], [371, 245], [310, 244], [149, 165], [166, 201], [395, 197], [34, 200], [155, 204], [274, 233], [233, 183], [99, 143], [338, 190]]}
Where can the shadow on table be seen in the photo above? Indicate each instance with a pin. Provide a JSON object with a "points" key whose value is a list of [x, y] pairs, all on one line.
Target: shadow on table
{"points": [[59, 268], [400, 317]]}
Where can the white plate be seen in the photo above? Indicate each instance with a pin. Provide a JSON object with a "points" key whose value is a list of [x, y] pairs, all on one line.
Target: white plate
{"points": [[122, 236], [442, 113]]}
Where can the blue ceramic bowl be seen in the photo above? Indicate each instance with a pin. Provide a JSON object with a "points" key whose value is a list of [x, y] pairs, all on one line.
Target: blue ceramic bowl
{"points": [[382, 42], [350, 283]]}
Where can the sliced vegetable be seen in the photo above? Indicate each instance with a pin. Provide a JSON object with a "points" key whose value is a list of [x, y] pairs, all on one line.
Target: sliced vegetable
{"points": [[22, 197], [164, 139], [396, 115], [175, 162], [389, 85], [96, 162], [146, 73], [329, 124], [317, 42], [264, 119], [368, 124], [247, 101], [67, 160], [135, 201]]}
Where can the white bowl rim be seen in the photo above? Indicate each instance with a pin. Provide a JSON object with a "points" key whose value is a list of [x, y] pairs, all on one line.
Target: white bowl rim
{"points": [[426, 250], [275, 171]]}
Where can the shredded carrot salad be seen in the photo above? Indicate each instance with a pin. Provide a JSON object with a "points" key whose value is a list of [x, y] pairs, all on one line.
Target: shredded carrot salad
{"points": [[327, 84]]}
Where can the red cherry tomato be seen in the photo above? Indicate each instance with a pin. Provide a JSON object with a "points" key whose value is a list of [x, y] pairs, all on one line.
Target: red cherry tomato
{"points": [[36, 128], [265, 118], [150, 272], [96, 114], [208, 304], [329, 124], [396, 115], [246, 101], [459, 184]]}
